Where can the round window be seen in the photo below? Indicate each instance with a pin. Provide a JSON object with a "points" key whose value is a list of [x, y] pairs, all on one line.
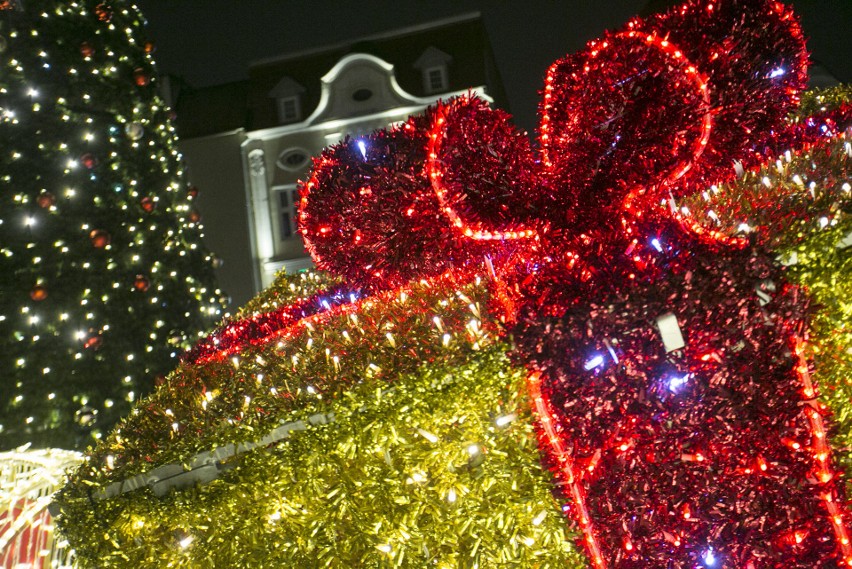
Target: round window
{"points": [[362, 95], [293, 159]]}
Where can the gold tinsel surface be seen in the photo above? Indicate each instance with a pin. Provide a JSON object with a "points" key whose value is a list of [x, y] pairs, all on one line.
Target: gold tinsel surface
{"points": [[431, 459]]}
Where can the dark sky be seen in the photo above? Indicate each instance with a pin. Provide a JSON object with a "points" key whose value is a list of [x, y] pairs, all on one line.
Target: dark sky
{"points": [[213, 41]]}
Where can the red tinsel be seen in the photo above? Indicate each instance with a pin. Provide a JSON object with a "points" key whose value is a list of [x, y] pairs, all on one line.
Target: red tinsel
{"points": [[675, 403]]}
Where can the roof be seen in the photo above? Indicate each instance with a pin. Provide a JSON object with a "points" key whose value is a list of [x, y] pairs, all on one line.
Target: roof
{"points": [[247, 104]]}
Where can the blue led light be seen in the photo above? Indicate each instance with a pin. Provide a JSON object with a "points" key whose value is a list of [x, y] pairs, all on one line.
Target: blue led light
{"points": [[656, 243], [709, 558], [777, 72], [363, 148]]}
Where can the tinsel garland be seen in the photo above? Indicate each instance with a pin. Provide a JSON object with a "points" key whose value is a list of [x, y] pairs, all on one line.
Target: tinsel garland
{"points": [[432, 434]]}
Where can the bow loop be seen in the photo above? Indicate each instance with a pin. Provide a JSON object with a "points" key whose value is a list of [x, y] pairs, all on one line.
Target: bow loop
{"points": [[668, 103], [500, 198], [369, 212]]}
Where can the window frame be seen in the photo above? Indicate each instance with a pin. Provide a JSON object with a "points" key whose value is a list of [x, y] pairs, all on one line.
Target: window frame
{"points": [[282, 107], [441, 72], [286, 210]]}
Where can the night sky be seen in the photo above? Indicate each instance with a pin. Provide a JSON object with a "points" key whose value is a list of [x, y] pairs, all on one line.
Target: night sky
{"points": [[212, 41]]}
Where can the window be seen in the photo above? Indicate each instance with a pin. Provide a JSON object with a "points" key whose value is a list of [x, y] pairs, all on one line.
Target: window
{"points": [[288, 109], [436, 79], [362, 95], [286, 94], [434, 64], [288, 203], [293, 160]]}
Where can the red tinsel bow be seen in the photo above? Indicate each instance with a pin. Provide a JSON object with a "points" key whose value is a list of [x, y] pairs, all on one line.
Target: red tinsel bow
{"points": [[585, 236], [646, 114], [669, 450]]}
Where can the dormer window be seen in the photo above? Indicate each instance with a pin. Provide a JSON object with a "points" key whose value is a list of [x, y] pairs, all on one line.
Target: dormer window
{"points": [[435, 79], [434, 65], [288, 109], [288, 100]]}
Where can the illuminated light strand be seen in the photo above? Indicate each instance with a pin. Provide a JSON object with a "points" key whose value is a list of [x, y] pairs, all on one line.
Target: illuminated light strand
{"points": [[291, 325], [547, 419], [669, 50], [230, 339], [306, 189], [699, 145], [451, 296], [434, 171], [104, 137], [839, 514], [801, 137]]}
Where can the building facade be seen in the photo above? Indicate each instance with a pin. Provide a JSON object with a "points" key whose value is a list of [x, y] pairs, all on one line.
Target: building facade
{"points": [[248, 144]]}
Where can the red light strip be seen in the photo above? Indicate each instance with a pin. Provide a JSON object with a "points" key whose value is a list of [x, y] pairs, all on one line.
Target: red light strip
{"points": [[566, 466], [285, 333], [435, 172], [668, 49], [291, 329], [303, 210], [822, 452], [691, 72]]}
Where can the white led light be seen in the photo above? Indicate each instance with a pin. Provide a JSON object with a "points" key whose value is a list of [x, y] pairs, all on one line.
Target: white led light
{"points": [[596, 360]]}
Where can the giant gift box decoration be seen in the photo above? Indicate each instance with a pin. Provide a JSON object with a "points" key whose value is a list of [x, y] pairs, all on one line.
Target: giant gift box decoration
{"points": [[664, 357]]}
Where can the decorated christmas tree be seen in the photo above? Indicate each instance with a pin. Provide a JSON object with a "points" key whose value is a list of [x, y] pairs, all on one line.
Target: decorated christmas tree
{"points": [[103, 273], [590, 355]]}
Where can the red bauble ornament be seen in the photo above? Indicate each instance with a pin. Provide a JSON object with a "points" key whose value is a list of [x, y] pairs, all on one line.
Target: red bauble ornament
{"points": [[150, 47], [94, 342], [45, 200], [192, 192], [147, 204], [100, 238], [103, 12], [194, 216], [141, 77], [141, 283], [88, 160], [38, 293], [86, 49]]}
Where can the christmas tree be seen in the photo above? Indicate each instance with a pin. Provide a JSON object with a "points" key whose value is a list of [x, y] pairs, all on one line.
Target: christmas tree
{"points": [[104, 275], [618, 293]]}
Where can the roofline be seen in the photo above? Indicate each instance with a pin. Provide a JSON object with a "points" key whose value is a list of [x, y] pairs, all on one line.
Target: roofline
{"points": [[224, 133], [306, 126], [389, 34]]}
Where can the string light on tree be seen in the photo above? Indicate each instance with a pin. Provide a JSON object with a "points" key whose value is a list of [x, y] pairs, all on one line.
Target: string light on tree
{"points": [[85, 131]]}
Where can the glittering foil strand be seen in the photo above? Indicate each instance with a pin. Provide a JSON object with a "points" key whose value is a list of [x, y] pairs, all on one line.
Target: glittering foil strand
{"points": [[180, 420], [645, 267], [689, 71], [801, 186], [440, 455]]}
